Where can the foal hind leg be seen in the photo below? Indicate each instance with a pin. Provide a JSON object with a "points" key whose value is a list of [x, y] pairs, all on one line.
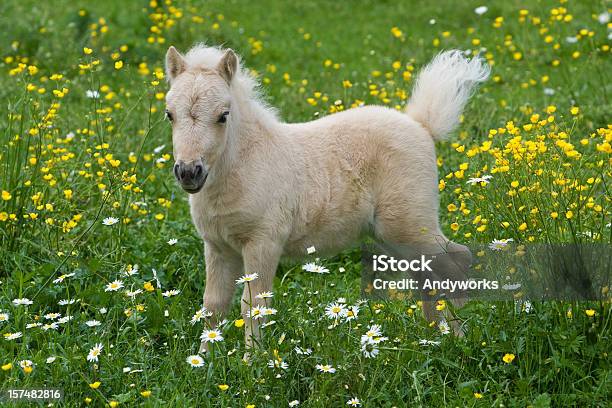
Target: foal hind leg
{"points": [[415, 224]]}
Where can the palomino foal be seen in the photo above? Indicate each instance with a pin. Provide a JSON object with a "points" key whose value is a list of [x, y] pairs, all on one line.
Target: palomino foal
{"points": [[261, 189]]}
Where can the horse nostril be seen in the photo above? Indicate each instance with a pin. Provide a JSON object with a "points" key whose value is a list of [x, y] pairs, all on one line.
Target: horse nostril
{"points": [[198, 171], [176, 171]]}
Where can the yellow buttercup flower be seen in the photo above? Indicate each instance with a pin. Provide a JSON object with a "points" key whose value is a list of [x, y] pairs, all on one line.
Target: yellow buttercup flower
{"points": [[508, 358], [590, 312], [223, 387]]}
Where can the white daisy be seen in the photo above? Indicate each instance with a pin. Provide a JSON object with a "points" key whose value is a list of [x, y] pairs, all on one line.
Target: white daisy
{"points": [[65, 319], [278, 364], [199, 315], [211, 336], [50, 326], [133, 293], [311, 250], [50, 359], [65, 302], [4, 317], [484, 180], [12, 336], [110, 221], [481, 10], [294, 403], [22, 302], [92, 94], [61, 278], [170, 293], [335, 310], [95, 352], [369, 350], [527, 306], [93, 323], [195, 361], [26, 363], [255, 312], [52, 316], [351, 312], [131, 270], [268, 311], [499, 244], [354, 402], [325, 368], [374, 332], [114, 286], [172, 241], [444, 328], [32, 325], [264, 295], [314, 268], [247, 278]]}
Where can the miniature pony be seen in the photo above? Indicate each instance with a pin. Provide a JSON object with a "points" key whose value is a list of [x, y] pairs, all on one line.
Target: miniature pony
{"points": [[261, 189]]}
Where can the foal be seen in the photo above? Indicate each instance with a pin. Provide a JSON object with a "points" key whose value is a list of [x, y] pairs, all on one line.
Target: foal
{"points": [[261, 189]]}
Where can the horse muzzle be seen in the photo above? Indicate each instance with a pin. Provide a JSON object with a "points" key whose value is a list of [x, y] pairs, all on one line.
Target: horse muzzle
{"points": [[191, 176]]}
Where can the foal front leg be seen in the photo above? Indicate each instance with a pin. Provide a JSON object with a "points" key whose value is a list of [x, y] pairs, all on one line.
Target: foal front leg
{"points": [[262, 259], [222, 269]]}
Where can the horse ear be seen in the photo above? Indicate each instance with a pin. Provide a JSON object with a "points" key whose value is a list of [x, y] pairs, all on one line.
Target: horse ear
{"points": [[228, 65], [175, 63]]}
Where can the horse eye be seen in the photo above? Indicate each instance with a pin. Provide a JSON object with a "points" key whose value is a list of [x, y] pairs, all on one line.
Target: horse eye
{"points": [[169, 115], [223, 117]]}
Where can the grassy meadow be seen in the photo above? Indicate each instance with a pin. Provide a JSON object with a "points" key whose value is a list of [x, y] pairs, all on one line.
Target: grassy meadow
{"points": [[102, 272]]}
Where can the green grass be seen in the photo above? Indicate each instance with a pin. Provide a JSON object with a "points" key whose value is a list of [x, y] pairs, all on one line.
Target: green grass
{"points": [[561, 358]]}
